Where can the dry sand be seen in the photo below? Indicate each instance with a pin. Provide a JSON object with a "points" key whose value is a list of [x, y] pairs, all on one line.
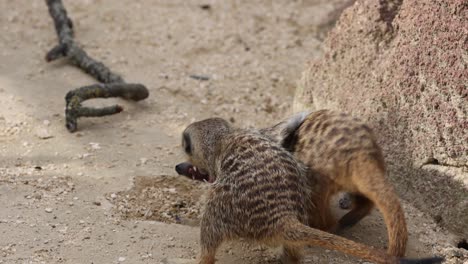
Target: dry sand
{"points": [[109, 193]]}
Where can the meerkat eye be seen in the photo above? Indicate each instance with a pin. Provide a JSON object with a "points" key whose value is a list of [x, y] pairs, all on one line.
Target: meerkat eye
{"points": [[187, 144]]}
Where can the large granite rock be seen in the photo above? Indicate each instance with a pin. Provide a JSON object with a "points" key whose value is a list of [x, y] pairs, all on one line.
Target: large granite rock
{"points": [[403, 65]]}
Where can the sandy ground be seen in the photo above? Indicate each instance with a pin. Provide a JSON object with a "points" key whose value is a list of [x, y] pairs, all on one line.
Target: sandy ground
{"points": [[109, 193]]}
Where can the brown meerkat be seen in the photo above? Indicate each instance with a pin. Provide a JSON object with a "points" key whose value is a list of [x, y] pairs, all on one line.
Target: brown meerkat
{"points": [[259, 192], [344, 150]]}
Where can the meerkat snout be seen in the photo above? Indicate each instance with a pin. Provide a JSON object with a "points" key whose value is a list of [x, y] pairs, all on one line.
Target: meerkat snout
{"points": [[184, 168]]}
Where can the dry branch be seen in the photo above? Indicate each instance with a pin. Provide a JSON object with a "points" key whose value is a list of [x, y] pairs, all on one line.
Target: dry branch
{"points": [[113, 84]]}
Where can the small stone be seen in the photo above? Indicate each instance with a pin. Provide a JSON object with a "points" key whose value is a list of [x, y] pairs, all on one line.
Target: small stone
{"points": [[85, 155], [43, 133], [205, 7], [143, 161], [95, 146], [98, 203], [121, 259], [113, 195], [48, 210]]}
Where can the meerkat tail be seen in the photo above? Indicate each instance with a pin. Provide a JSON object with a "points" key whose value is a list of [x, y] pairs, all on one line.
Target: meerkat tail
{"points": [[394, 217], [366, 177], [422, 261], [296, 233]]}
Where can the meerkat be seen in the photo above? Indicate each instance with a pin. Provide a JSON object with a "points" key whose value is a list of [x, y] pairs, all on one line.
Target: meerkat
{"points": [[344, 150], [258, 192]]}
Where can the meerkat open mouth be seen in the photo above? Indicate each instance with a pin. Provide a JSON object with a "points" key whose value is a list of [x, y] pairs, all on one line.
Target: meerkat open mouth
{"points": [[188, 170]]}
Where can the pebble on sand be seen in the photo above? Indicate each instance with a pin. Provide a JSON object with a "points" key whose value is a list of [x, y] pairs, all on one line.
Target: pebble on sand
{"points": [[43, 133]]}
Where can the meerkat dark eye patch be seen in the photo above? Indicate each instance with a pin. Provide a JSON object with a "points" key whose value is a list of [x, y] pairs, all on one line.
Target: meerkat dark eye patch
{"points": [[187, 143]]}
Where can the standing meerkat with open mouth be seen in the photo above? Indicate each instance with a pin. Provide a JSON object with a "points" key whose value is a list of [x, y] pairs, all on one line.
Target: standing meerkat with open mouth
{"points": [[343, 150], [259, 192]]}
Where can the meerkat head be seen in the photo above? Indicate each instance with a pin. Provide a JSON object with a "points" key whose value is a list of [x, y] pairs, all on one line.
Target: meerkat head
{"points": [[199, 142]]}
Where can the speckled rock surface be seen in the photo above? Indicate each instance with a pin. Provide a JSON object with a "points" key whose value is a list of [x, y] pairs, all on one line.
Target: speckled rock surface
{"points": [[403, 65]]}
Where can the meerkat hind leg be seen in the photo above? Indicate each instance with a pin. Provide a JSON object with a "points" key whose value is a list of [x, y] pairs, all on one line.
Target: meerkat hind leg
{"points": [[361, 207]]}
